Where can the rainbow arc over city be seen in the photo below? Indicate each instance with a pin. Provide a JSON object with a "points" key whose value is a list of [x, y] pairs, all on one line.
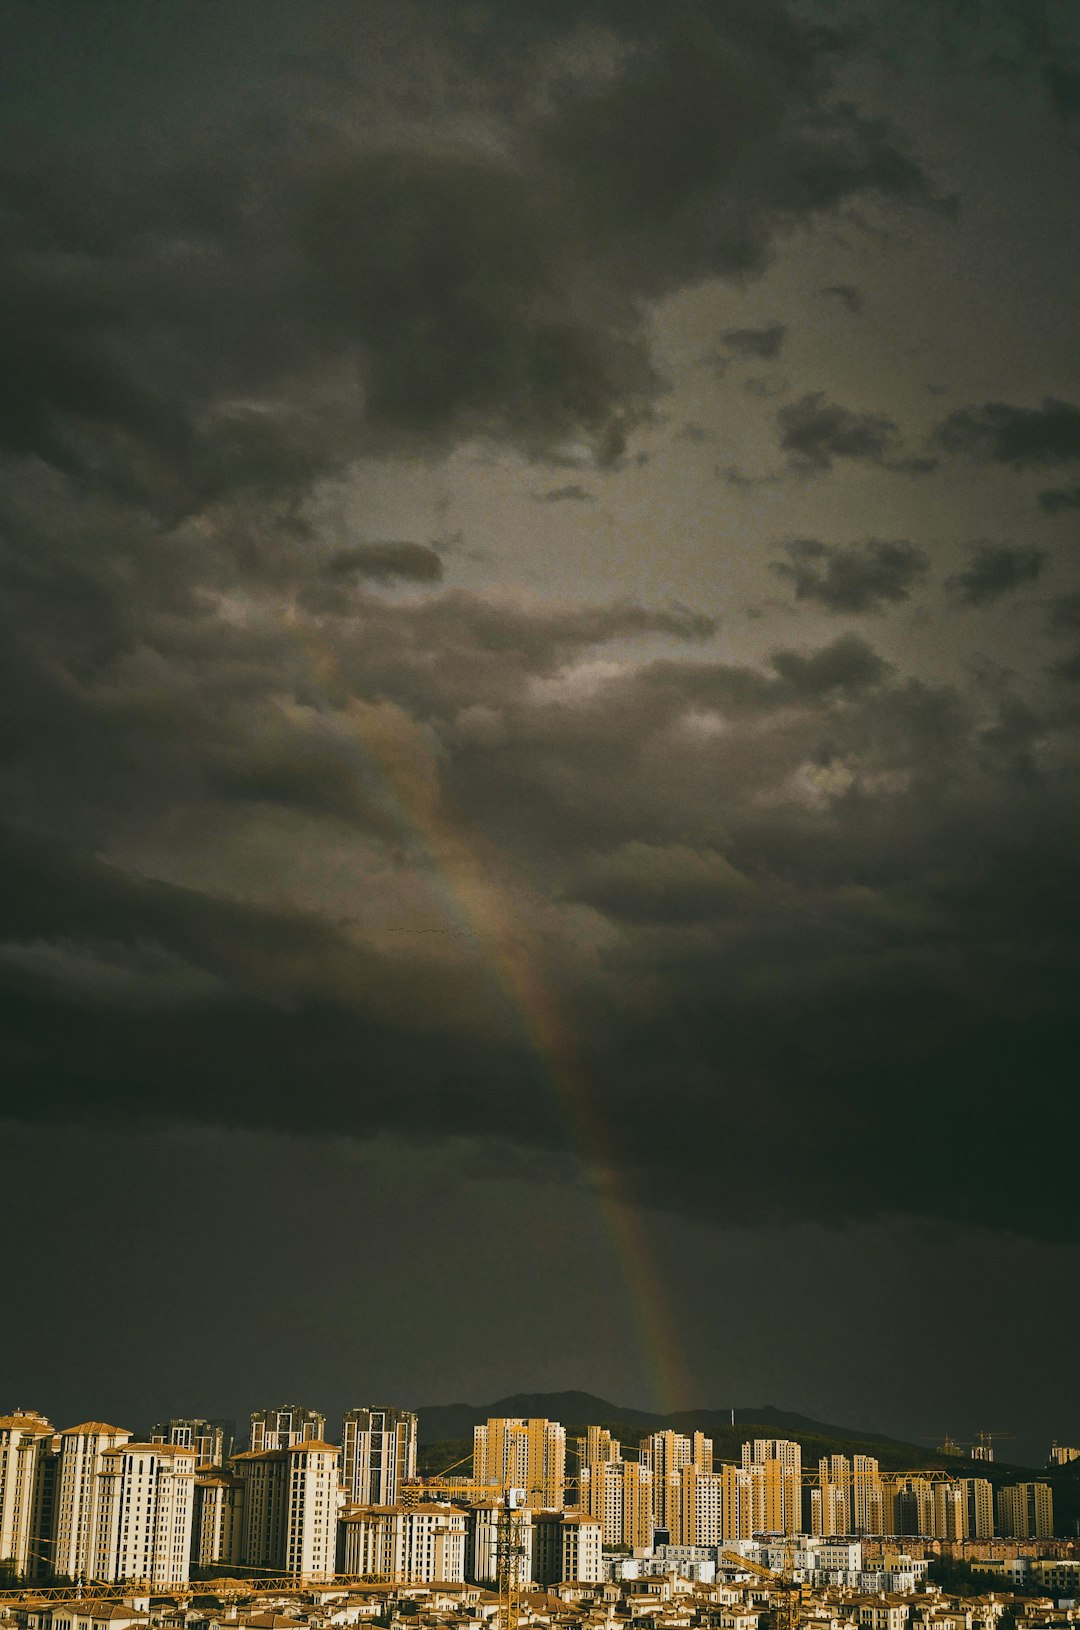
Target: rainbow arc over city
{"points": [[474, 902]]}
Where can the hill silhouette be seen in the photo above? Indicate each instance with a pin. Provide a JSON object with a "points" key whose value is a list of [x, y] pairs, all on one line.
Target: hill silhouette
{"points": [[451, 1425]]}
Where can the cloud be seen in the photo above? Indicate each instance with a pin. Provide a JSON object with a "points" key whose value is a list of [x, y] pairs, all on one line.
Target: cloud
{"points": [[1025, 438], [815, 433], [253, 847], [505, 297], [995, 569], [1055, 499], [848, 296], [573, 493], [277, 844], [649, 883], [762, 343], [383, 562], [1065, 614], [855, 578]]}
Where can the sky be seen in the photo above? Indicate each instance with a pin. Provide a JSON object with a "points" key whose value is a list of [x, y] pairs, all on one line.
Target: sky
{"points": [[540, 643]]}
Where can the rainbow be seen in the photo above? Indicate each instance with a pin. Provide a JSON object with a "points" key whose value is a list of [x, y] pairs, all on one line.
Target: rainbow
{"points": [[400, 756]]}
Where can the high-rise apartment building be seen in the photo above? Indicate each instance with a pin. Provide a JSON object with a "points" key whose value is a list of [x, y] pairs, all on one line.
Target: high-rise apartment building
{"points": [[378, 1454], [212, 1441], [145, 1504], [76, 1506], [701, 1507], [491, 1530], [1025, 1511], [290, 1509], [914, 1508], [522, 1454], [618, 1494], [595, 1448], [217, 1521], [775, 1464], [416, 1545], [849, 1498], [281, 1428], [26, 1439], [314, 1506], [741, 1502], [978, 1496], [950, 1511], [667, 1455], [566, 1547]]}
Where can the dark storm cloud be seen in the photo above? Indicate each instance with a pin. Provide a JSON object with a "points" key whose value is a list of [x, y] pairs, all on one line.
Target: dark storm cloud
{"points": [[383, 562], [995, 569], [500, 293], [854, 578], [253, 800], [815, 432], [763, 343], [1055, 499], [810, 879], [999, 433]]}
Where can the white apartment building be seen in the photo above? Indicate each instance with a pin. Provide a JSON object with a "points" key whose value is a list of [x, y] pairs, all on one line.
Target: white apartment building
{"points": [[289, 1509], [490, 1529], [567, 1548], [145, 1506], [82, 1458], [378, 1454], [421, 1544], [314, 1503], [281, 1428], [212, 1441], [580, 1550], [263, 1477], [25, 1439], [218, 1520]]}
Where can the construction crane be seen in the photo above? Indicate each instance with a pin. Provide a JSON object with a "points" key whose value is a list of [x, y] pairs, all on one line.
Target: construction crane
{"points": [[981, 1447], [784, 1593], [511, 1555]]}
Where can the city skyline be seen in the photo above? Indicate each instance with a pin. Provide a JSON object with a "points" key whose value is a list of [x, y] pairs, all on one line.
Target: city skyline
{"points": [[539, 617], [94, 1505]]}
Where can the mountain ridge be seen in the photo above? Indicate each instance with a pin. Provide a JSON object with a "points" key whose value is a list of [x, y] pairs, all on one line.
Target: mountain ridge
{"points": [[441, 1422]]}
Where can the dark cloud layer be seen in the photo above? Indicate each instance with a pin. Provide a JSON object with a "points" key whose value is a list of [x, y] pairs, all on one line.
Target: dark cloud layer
{"points": [[285, 818], [419, 291], [863, 577], [807, 890]]}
